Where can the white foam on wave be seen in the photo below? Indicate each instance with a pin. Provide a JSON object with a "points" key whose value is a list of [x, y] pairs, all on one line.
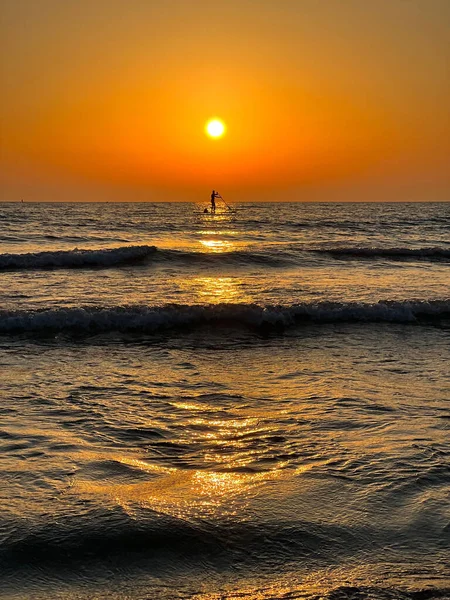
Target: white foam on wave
{"points": [[109, 257], [147, 319], [76, 258]]}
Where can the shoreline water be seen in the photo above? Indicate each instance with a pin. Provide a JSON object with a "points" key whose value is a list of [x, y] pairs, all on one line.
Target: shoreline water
{"points": [[217, 412]]}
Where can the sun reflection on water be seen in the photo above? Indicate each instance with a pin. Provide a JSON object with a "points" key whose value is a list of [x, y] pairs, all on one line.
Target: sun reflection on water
{"points": [[218, 245], [224, 478], [230, 232], [182, 494], [220, 289], [216, 290]]}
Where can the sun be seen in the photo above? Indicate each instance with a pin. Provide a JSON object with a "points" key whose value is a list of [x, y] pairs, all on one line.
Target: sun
{"points": [[215, 128]]}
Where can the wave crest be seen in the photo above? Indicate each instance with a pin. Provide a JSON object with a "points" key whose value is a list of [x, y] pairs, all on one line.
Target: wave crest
{"points": [[148, 319], [392, 253], [110, 257], [70, 259]]}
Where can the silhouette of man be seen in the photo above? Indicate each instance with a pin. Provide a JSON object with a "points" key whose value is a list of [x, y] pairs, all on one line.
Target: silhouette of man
{"points": [[214, 195]]}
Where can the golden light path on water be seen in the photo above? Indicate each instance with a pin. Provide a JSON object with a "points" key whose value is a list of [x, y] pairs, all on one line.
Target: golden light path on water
{"points": [[218, 245], [225, 483], [219, 289], [227, 480], [184, 494], [188, 494]]}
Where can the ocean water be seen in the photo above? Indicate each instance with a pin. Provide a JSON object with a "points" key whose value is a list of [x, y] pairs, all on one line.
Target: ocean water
{"points": [[252, 405]]}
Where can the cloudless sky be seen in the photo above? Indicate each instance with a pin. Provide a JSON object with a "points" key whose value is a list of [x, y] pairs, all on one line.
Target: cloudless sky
{"points": [[323, 99]]}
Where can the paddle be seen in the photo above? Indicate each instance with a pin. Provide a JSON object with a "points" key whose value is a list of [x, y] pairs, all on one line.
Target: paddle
{"points": [[229, 207]]}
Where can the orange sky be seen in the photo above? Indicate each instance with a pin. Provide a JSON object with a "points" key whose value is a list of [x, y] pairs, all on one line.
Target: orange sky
{"points": [[323, 99]]}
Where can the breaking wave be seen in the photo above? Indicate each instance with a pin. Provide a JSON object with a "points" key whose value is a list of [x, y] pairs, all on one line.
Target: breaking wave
{"points": [[110, 257], [390, 253], [72, 259], [148, 319]]}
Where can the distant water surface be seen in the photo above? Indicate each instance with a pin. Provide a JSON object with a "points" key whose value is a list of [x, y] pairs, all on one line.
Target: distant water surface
{"points": [[252, 404]]}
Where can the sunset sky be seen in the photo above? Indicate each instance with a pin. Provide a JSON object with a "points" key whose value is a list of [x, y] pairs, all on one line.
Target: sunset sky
{"points": [[321, 99]]}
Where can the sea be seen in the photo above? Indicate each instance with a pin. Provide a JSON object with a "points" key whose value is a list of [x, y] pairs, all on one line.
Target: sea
{"points": [[247, 405]]}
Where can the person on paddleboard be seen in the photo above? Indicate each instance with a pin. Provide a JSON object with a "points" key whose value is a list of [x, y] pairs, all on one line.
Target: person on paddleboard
{"points": [[214, 195]]}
